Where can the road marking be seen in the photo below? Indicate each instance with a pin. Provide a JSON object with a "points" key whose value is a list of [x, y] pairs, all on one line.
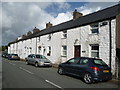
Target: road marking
{"points": [[53, 84], [26, 70], [12, 63]]}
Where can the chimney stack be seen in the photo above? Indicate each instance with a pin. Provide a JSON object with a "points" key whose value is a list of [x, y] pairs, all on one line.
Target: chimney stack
{"points": [[23, 36], [76, 14], [48, 25], [36, 30], [29, 33]]}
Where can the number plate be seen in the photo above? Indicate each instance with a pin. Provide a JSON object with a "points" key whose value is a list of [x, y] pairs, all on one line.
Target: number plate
{"points": [[106, 71], [47, 63]]}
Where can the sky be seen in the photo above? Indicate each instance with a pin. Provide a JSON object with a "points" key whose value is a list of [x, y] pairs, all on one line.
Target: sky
{"points": [[17, 18]]}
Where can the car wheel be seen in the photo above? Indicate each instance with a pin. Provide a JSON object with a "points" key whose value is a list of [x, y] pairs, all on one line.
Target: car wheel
{"points": [[60, 71], [36, 64], [88, 78]]}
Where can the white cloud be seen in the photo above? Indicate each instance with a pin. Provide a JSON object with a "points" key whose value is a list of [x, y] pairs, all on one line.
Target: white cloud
{"points": [[62, 17], [90, 10], [19, 18], [62, 5], [94, 6]]}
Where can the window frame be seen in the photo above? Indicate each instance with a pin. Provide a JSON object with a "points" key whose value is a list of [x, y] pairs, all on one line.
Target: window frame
{"points": [[49, 37], [49, 51], [64, 52], [95, 51], [104, 23], [94, 29], [64, 35], [38, 39]]}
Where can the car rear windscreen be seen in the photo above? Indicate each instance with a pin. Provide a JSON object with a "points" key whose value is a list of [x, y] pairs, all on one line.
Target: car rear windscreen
{"points": [[14, 54], [99, 62]]}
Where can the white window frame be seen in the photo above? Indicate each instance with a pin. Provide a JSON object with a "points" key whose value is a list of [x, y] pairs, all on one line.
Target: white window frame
{"points": [[93, 27], [49, 37], [49, 51], [103, 23], [39, 50], [38, 39], [30, 49], [64, 52], [64, 35], [95, 51]]}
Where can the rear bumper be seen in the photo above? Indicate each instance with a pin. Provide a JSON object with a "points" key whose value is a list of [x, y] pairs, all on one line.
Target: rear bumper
{"points": [[103, 77], [45, 64], [14, 58]]}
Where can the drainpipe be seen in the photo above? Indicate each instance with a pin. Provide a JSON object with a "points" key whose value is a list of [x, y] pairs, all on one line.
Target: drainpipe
{"points": [[36, 46], [110, 44]]}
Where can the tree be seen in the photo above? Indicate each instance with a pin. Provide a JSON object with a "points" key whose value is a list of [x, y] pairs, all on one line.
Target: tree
{"points": [[3, 48]]}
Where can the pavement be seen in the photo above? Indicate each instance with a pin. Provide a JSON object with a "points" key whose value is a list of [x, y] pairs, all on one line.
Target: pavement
{"points": [[0, 73], [115, 81], [16, 74]]}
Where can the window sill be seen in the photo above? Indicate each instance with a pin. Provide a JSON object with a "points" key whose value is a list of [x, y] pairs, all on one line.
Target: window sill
{"points": [[94, 34], [64, 38], [63, 56], [48, 39]]}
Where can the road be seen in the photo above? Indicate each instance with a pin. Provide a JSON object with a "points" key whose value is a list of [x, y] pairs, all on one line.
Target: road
{"points": [[16, 74]]}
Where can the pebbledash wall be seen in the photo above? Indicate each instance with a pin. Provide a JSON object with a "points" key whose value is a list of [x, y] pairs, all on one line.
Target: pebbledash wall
{"points": [[93, 40]]}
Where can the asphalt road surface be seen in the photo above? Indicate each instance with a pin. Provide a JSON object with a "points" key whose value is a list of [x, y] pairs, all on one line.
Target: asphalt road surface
{"points": [[16, 74]]}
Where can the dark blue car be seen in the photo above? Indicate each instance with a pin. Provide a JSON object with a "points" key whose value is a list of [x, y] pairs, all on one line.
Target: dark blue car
{"points": [[90, 69]]}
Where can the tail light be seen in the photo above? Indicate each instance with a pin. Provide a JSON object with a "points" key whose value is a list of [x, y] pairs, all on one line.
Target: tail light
{"points": [[95, 68]]}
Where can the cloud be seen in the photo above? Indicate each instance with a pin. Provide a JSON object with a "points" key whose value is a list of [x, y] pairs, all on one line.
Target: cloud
{"points": [[62, 5], [94, 6], [62, 17], [19, 18]]}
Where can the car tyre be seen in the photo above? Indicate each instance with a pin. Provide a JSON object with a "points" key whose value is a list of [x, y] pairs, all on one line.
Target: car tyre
{"points": [[36, 64], [60, 71], [88, 78]]}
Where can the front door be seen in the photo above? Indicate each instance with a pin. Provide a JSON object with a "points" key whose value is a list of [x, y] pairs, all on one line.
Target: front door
{"points": [[77, 50]]}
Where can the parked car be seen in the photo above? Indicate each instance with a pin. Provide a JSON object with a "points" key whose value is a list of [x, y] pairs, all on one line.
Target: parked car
{"points": [[13, 57], [89, 69], [38, 60], [5, 55]]}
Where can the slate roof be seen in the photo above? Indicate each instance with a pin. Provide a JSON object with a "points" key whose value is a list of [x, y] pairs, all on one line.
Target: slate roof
{"points": [[105, 14]]}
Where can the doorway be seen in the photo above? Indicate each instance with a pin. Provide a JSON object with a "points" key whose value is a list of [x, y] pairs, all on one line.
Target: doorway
{"points": [[77, 51]]}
